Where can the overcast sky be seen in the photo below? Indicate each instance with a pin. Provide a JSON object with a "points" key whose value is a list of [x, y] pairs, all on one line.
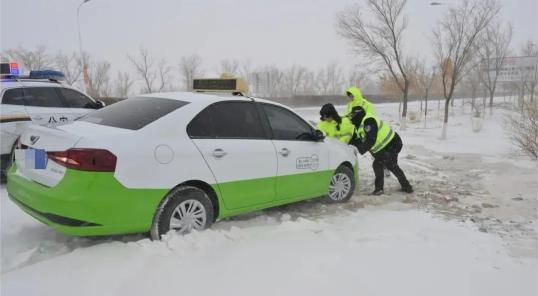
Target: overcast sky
{"points": [[281, 32]]}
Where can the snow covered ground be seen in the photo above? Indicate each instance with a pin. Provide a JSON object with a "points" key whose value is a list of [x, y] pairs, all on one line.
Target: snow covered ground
{"points": [[470, 229]]}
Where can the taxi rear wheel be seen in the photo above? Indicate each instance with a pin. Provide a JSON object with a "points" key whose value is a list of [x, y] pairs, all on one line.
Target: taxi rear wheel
{"points": [[183, 210], [342, 185]]}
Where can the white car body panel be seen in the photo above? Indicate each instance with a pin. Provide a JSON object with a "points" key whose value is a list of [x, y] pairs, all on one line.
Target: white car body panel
{"points": [[162, 155]]}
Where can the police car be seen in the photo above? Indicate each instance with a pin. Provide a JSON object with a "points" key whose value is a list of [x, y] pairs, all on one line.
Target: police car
{"points": [[39, 98], [175, 161]]}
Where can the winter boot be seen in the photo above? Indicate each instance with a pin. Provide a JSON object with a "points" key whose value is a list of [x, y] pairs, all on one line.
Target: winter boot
{"points": [[378, 192], [407, 189]]}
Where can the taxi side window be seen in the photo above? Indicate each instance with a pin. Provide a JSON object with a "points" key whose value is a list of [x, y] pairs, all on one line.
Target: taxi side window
{"points": [[33, 97], [14, 96], [227, 120], [75, 99], [286, 125], [201, 127]]}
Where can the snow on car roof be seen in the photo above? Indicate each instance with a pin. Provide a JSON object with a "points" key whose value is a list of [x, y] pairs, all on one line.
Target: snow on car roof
{"points": [[193, 97], [206, 97]]}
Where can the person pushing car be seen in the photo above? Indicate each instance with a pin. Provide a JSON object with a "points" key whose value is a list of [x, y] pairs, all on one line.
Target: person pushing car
{"points": [[376, 136], [357, 100], [335, 126]]}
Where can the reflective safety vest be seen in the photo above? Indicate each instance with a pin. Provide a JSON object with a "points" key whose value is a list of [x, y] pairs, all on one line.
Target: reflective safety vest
{"points": [[384, 133], [344, 134], [365, 104]]}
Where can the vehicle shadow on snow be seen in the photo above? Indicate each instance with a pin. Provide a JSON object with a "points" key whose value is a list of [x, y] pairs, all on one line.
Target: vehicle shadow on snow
{"points": [[36, 243]]}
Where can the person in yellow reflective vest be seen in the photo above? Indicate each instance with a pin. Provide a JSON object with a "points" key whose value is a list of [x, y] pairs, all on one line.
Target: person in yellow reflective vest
{"points": [[335, 126], [376, 136], [356, 100]]}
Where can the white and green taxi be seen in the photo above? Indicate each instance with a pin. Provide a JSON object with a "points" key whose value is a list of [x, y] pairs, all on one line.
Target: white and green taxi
{"points": [[175, 161]]}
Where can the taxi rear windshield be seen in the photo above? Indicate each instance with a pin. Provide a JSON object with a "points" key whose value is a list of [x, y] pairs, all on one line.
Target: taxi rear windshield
{"points": [[134, 113]]}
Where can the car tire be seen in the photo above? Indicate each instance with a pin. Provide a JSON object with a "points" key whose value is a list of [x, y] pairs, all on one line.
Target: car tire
{"points": [[342, 185], [185, 208]]}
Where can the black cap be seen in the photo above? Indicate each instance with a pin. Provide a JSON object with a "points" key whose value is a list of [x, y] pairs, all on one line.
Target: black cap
{"points": [[357, 114], [328, 110]]}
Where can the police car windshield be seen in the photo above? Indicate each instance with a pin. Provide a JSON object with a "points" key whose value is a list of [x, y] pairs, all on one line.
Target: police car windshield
{"points": [[133, 113]]}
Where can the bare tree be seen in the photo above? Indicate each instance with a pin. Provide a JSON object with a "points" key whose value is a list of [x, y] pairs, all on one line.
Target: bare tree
{"points": [[454, 38], [164, 72], [492, 49], [70, 65], [245, 71], [151, 72], [123, 85], [294, 79], [424, 80], [36, 59], [530, 75], [356, 77], [330, 80], [308, 84], [524, 129], [144, 68], [190, 67], [100, 79], [229, 67], [379, 39], [274, 80], [472, 84]]}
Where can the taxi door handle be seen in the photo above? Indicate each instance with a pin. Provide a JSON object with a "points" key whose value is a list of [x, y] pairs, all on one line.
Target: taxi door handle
{"points": [[218, 153], [284, 152]]}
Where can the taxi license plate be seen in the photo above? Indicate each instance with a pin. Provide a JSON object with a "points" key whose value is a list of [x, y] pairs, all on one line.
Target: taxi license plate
{"points": [[31, 158]]}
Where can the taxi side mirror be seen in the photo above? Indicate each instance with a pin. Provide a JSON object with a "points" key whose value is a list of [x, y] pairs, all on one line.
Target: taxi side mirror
{"points": [[99, 104], [318, 135]]}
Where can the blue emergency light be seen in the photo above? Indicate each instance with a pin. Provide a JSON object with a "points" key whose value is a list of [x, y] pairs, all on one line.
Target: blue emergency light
{"points": [[46, 74], [12, 71]]}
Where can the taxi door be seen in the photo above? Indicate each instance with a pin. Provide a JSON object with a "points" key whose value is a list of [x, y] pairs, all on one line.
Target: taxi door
{"points": [[303, 163], [232, 141]]}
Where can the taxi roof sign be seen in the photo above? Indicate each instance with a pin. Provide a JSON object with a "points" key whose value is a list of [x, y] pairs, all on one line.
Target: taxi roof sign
{"points": [[220, 85]]}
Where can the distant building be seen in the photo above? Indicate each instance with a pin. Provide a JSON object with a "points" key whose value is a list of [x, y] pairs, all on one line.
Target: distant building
{"points": [[514, 71]]}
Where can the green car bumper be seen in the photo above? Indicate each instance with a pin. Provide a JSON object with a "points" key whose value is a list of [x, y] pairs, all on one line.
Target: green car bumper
{"points": [[86, 203]]}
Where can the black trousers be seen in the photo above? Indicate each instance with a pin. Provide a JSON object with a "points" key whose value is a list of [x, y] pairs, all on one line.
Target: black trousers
{"points": [[388, 157]]}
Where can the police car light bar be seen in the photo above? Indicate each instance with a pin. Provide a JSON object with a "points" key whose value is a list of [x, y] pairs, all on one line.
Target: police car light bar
{"points": [[9, 69], [12, 71], [232, 85], [47, 74]]}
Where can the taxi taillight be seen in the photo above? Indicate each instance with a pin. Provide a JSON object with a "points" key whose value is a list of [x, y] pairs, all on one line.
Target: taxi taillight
{"points": [[85, 159]]}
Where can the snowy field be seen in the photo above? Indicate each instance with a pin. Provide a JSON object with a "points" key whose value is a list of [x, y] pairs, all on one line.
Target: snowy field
{"points": [[469, 229]]}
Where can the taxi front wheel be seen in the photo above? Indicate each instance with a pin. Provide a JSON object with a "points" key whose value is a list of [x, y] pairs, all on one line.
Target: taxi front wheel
{"points": [[342, 185], [184, 209]]}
